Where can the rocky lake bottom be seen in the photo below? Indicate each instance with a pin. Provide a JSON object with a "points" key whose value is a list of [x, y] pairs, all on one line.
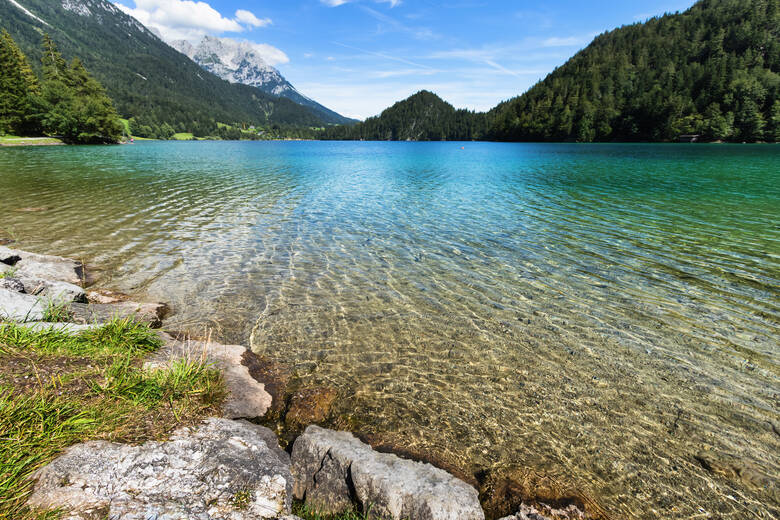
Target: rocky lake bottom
{"points": [[589, 320]]}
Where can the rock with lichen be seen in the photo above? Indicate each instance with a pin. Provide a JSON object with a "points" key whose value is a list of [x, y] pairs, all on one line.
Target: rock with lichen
{"points": [[220, 470]]}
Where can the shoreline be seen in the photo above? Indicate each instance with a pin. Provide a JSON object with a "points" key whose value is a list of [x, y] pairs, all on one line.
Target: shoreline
{"points": [[30, 141], [53, 141], [259, 391]]}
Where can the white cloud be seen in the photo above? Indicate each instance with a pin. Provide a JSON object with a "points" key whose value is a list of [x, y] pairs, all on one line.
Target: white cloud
{"points": [[188, 19], [250, 19], [270, 54], [336, 3]]}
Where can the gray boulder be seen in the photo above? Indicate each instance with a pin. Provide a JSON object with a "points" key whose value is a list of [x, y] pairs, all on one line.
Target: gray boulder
{"points": [[334, 470], [230, 470], [43, 266], [53, 290], [247, 397], [20, 307]]}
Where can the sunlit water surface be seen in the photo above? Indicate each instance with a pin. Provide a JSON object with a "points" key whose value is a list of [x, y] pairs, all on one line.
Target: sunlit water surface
{"points": [[603, 314]]}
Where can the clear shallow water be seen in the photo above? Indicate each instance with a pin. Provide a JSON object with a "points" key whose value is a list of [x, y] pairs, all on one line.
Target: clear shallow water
{"points": [[603, 314]]}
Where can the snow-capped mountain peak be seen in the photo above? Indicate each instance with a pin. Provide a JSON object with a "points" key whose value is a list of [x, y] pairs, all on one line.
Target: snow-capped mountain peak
{"points": [[250, 64], [237, 62]]}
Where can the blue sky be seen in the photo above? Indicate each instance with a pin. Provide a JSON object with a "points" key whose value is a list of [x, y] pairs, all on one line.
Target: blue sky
{"points": [[360, 56]]}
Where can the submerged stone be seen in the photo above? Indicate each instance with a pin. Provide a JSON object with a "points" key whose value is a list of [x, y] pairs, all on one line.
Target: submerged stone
{"points": [[106, 296], [309, 406], [527, 512]]}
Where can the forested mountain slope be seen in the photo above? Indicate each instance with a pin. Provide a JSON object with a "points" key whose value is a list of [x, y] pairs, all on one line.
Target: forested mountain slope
{"points": [[712, 70], [421, 117], [144, 77]]}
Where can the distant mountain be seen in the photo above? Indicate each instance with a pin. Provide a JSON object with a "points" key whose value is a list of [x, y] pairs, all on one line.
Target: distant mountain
{"points": [[713, 70], [145, 77], [421, 117], [241, 62]]}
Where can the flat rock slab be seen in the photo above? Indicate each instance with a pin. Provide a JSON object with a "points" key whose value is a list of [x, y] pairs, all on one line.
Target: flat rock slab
{"points": [[247, 397], [150, 313], [332, 470], [231, 470], [61, 292], [20, 307], [46, 267]]}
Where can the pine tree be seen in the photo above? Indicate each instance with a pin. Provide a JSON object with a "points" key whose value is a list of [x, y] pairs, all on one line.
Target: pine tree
{"points": [[54, 66], [77, 107], [773, 130], [18, 90]]}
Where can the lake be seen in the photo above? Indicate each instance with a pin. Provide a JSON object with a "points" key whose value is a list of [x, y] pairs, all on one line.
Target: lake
{"points": [[606, 316]]}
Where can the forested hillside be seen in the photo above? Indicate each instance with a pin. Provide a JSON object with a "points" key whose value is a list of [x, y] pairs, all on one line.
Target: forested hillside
{"points": [[421, 117], [144, 77], [713, 70]]}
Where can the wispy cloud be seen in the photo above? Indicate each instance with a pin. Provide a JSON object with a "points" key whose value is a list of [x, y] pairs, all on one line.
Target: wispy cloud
{"points": [[189, 20], [336, 3], [397, 73], [420, 33], [383, 55]]}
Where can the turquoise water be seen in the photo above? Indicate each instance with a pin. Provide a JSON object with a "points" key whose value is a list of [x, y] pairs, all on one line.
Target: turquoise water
{"points": [[607, 315]]}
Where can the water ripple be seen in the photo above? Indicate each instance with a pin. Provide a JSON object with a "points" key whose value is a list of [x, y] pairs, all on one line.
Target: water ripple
{"points": [[600, 313]]}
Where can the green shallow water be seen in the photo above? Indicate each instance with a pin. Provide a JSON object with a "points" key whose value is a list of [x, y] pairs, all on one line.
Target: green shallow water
{"points": [[603, 314]]}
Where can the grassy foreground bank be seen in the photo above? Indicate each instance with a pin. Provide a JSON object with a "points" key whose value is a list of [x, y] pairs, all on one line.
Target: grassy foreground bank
{"points": [[57, 390]]}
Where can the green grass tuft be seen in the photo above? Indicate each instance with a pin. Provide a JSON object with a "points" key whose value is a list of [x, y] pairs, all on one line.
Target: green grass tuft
{"points": [[8, 273], [56, 311], [308, 513], [89, 386], [119, 336], [123, 335]]}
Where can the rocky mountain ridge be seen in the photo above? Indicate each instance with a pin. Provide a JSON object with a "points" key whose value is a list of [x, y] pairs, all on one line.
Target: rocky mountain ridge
{"points": [[243, 62]]}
